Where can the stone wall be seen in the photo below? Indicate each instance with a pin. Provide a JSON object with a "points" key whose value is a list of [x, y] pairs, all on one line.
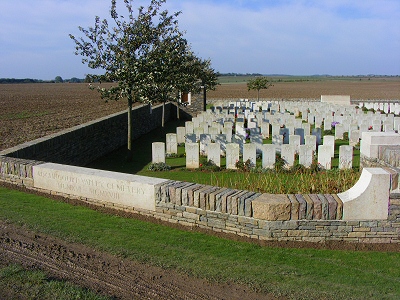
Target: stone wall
{"points": [[84, 143], [312, 218]]}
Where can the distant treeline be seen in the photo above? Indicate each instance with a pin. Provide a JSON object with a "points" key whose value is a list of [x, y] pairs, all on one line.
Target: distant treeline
{"points": [[239, 74], [30, 80]]}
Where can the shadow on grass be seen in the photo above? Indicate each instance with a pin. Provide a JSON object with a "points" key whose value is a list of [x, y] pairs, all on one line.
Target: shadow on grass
{"points": [[116, 160]]}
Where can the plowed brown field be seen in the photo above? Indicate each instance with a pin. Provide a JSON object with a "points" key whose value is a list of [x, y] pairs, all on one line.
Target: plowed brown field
{"points": [[30, 111]]}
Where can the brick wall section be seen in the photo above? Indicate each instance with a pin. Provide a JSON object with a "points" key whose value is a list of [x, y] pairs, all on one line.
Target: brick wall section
{"points": [[84, 143], [17, 171]]}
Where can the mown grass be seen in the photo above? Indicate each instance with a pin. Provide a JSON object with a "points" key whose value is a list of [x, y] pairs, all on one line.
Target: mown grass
{"points": [[296, 180], [34, 284], [294, 273]]}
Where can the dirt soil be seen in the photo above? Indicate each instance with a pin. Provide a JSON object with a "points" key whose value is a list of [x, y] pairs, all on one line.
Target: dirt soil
{"points": [[30, 111], [104, 273]]}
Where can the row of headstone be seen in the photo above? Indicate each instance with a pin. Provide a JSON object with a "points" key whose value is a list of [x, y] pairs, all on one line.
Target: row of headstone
{"points": [[313, 112], [268, 152], [353, 130]]}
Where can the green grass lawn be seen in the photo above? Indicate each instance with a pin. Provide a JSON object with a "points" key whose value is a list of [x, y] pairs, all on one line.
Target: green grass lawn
{"points": [[295, 273]]}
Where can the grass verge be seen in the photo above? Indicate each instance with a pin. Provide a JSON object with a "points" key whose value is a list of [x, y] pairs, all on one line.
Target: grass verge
{"points": [[33, 284], [294, 273]]}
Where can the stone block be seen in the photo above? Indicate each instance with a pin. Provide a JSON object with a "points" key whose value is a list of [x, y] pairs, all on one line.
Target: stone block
{"points": [[272, 207], [310, 207], [370, 142], [332, 207], [368, 199], [121, 189], [325, 206], [302, 206], [295, 207], [317, 212]]}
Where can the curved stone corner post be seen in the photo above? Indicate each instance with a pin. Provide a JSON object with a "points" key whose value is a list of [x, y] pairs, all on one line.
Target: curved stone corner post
{"points": [[368, 199]]}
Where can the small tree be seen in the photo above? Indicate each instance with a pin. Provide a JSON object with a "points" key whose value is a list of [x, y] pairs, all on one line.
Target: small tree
{"points": [[58, 79], [258, 83], [137, 54]]}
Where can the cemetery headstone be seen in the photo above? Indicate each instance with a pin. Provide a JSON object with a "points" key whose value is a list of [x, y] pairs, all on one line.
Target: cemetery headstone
{"points": [[329, 140], [232, 155], [249, 153], [172, 143], [287, 153], [324, 156], [214, 153], [345, 157], [268, 156], [192, 155], [180, 134], [158, 152], [306, 155]]}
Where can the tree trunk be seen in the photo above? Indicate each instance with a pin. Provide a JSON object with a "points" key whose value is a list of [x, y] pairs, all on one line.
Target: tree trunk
{"points": [[130, 121], [163, 114], [258, 95], [204, 97], [178, 114]]}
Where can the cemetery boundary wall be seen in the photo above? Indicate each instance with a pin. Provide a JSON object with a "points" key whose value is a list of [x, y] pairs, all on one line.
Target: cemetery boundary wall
{"points": [[85, 143], [300, 221], [303, 213]]}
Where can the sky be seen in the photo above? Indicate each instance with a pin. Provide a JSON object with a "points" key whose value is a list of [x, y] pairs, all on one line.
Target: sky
{"points": [[293, 37]]}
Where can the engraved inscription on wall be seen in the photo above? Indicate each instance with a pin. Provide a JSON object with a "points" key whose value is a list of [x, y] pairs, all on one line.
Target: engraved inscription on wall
{"points": [[131, 190]]}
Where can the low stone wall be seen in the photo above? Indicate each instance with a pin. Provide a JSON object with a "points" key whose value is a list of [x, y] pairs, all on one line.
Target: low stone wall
{"points": [[297, 217], [362, 231], [250, 204], [85, 143]]}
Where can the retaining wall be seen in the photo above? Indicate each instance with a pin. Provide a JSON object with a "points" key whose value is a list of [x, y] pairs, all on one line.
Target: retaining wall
{"points": [[85, 143]]}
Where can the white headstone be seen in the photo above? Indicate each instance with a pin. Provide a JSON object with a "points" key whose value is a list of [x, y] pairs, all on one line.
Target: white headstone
{"points": [[232, 155], [324, 156], [249, 153], [221, 140], [287, 153], [214, 153], [354, 137], [205, 139], [306, 155], [172, 143], [189, 126], [345, 157], [295, 141], [158, 152], [180, 134], [329, 140], [265, 130], [268, 156], [311, 140], [192, 155]]}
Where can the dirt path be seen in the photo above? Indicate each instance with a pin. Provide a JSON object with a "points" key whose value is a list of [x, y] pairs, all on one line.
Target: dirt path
{"points": [[105, 273]]}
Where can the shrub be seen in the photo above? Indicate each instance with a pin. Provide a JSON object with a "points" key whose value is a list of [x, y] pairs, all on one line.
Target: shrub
{"points": [[159, 167], [208, 165], [246, 166]]}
